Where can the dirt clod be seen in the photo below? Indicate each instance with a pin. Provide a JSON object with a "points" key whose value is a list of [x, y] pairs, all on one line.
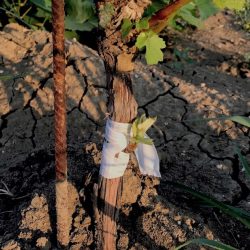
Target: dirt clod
{"points": [[11, 245]]}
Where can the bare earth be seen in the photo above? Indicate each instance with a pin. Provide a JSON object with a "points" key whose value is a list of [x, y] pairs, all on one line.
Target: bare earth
{"points": [[211, 81]]}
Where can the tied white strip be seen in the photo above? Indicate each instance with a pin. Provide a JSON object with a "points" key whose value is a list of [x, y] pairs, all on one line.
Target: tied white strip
{"points": [[114, 161]]}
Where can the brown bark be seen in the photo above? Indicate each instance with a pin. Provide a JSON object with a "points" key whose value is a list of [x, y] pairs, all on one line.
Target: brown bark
{"points": [[60, 123], [59, 89], [122, 107]]}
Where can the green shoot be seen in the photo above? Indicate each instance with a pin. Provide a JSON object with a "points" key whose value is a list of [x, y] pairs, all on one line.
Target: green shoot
{"points": [[139, 129]]}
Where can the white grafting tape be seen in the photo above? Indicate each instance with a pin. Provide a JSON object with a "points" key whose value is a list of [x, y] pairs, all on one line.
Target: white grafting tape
{"points": [[114, 161]]}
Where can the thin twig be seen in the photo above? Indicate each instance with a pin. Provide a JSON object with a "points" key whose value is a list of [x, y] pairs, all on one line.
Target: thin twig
{"points": [[20, 197], [216, 217], [17, 17], [5, 191], [4, 212]]}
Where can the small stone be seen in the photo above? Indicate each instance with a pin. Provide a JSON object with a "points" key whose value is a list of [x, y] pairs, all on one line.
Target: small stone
{"points": [[123, 241], [38, 202], [189, 222], [43, 243], [209, 234], [224, 66], [234, 71]]}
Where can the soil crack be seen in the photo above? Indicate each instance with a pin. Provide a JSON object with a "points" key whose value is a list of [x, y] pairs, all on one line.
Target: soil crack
{"points": [[245, 191], [157, 97], [32, 137], [4, 122], [34, 93]]}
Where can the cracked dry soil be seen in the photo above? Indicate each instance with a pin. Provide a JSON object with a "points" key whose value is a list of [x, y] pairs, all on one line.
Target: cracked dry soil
{"points": [[212, 81]]}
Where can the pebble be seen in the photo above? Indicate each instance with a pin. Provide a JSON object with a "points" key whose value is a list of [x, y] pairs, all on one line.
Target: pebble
{"points": [[234, 71]]}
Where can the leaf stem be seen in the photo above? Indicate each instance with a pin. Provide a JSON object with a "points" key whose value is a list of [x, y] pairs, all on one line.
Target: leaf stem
{"points": [[159, 21]]}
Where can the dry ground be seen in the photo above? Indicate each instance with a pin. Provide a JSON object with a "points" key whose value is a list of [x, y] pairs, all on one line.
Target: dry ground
{"points": [[208, 79]]}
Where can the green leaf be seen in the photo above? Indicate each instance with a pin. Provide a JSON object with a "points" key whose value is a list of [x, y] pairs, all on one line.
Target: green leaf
{"points": [[230, 4], [6, 77], [80, 15], [141, 40], [106, 13], [243, 120], [142, 119], [237, 213], [34, 22], [44, 8], [211, 243], [134, 127], [172, 23], [243, 161], [142, 24], [45, 5], [80, 10], [9, 77], [146, 124], [43, 14], [69, 34], [126, 27], [72, 24], [144, 140], [206, 8], [187, 14], [153, 44]]}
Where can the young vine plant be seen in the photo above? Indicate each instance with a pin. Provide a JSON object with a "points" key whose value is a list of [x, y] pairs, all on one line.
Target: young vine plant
{"points": [[162, 13], [81, 15]]}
